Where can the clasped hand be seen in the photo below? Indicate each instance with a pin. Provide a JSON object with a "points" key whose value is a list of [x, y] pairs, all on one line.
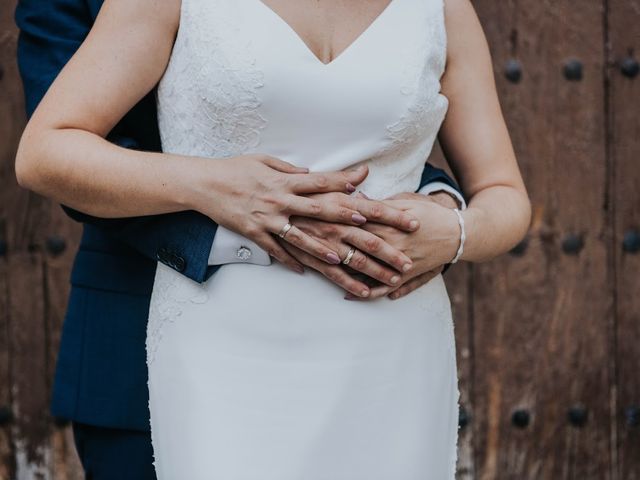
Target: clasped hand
{"points": [[257, 195], [400, 242], [376, 268]]}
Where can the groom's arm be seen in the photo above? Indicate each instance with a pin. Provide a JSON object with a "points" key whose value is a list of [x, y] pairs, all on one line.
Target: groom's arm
{"points": [[50, 33]]}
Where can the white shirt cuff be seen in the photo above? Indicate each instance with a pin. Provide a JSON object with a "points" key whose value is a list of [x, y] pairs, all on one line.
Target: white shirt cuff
{"points": [[230, 247], [439, 186]]}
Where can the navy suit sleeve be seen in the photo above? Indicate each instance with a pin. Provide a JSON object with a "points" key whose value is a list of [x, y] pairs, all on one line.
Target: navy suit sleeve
{"points": [[434, 174], [50, 33]]}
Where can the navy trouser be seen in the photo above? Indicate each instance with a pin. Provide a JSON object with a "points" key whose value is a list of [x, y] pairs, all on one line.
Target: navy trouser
{"points": [[110, 454]]}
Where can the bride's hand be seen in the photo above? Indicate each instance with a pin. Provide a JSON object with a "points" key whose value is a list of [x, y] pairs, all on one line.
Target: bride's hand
{"points": [[373, 259], [255, 195]]}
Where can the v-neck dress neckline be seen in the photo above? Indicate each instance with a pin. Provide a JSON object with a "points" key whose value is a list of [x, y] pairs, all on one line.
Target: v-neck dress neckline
{"points": [[359, 41]]}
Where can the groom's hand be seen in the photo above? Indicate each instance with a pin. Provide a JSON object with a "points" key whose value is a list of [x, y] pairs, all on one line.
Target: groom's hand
{"points": [[441, 198], [430, 247]]}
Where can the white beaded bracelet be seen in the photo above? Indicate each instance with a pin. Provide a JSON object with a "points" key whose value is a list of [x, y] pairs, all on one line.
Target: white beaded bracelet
{"points": [[463, 237]]}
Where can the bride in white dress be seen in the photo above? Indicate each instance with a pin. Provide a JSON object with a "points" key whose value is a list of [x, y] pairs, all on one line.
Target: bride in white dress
{"points": [[261, 373]]}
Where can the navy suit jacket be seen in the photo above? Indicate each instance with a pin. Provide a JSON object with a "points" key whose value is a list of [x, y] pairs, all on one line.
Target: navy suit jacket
{"points": [[101, 375]]}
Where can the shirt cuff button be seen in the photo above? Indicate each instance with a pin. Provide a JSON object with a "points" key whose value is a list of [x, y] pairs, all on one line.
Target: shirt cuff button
{"points": [[244, 253]]}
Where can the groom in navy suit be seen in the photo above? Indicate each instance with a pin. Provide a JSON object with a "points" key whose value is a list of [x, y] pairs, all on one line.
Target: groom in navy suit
{"points": [[101, 376]]}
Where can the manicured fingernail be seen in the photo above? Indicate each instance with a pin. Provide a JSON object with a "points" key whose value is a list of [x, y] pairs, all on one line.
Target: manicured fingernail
{"points": [[361, 168], [333, 258], [359, 219], [394, 296], [406, 267], [395, 279], [413, 224], [365, 293], [350, 188]]}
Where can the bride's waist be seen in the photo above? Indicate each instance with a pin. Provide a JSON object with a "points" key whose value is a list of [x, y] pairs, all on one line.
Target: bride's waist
{"points": [[276, 285]]}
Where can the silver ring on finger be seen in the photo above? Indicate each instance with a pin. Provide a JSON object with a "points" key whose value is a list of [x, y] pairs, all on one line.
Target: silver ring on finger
{"points": [[285, 230], [349, 256]]}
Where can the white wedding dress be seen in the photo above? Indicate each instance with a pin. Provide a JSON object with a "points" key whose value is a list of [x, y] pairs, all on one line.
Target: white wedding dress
{"points": [[264, 374]]}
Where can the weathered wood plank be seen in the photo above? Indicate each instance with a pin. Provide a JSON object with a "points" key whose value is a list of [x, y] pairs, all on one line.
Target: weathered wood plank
{"points": [[540, 319], [11, 120], [65, 463], [624, 128], [28, 366], [7, 462]]}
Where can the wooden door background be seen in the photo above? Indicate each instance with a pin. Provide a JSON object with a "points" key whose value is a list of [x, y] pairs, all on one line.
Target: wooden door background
{"points": [[548, 336]]}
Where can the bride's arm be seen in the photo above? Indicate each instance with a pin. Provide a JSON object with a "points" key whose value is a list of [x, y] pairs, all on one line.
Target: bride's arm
{"points": [[63, 153], [477, 146], [63, 146], [476, 142]]}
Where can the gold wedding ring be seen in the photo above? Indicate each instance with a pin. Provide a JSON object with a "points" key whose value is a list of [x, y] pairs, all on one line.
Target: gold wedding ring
{"points": [[284, 230], [349, 256]]}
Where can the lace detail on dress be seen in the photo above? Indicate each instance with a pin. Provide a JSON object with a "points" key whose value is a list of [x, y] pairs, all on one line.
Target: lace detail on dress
{"points": [[401, 163], [208, 98], [170, 292]]}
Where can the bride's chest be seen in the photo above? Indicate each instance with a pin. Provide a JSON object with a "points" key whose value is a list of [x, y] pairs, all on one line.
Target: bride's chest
{"points": [[240, 68]]}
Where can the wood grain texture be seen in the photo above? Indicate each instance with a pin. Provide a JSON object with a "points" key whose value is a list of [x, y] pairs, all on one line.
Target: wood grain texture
{"points": [[624, 149], [7, 461], [28, 367], [11, 121], [540, 319]]}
